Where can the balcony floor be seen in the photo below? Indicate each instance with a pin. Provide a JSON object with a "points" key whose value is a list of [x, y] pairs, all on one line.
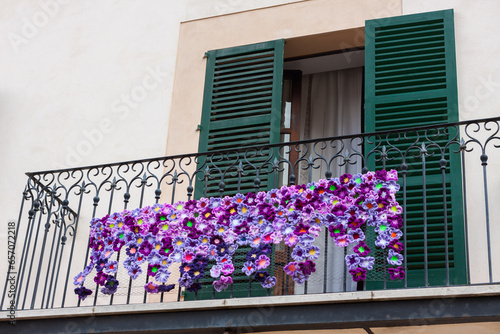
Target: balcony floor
{"points": [[355, 312]]}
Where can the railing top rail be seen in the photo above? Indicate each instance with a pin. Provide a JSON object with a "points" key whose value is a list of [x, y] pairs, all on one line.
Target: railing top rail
{"points": [[260, 147]]}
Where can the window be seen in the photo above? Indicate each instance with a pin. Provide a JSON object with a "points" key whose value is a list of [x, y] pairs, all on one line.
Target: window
{"points": [[410, 80]]}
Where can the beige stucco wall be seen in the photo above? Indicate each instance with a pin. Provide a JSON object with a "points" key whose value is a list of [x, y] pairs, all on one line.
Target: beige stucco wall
{"points": [[286, 21], [485, 328]]}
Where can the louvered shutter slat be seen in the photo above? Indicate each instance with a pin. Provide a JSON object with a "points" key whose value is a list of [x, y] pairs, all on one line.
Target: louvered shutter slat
{"points": [[411, 81], [241, 107]]}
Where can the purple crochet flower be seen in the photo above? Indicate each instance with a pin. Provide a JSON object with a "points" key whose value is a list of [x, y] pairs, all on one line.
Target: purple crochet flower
{"points": [[79, 279], [100, 278], [139, 258], [185, 280], [146, 248], [117, 245], [162, 275], [176, 255], [382, 241], [248, 268], [396, 246], [197, 272], [367, 262], [301, 229], [100, 264], [300, 277], [230, 237], [231, 248], [397, 273], [336, 230], [308, 267], [362, 249], [83, 292], [314, 231], [165, 288], [111, 267], [134, 271], [395, 208], [352, 261], [394, 258], [262, 262], [299, 253], [222, 283], [356, 235], [107, 252], [291, 240], [342, 240], [291, 268], [215, 271], [243, 239], [110, 286], [312, 252], [269, 282], [370, 205], [188, 256], [178, 242], [260, 276], [154, 257], [307, 239], [267, 238], [153, 269], [151, 287], [355, 222], [394, 234], [227, 269], [395, 221], [358, 274]]}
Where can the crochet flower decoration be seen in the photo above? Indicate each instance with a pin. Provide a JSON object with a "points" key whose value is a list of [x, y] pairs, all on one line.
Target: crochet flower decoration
{"points": [[195, 232]]}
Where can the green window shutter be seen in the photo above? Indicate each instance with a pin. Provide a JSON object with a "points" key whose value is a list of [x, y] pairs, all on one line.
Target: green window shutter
{"points": [[410, 81], [241, 107]]}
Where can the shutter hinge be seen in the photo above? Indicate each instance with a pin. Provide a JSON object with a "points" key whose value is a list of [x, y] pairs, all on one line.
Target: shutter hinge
{"points": [[205, 55], [198, 127]]}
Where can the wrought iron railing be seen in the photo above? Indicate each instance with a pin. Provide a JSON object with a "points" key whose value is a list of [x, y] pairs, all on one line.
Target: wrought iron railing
{"points": [[446, 189]]}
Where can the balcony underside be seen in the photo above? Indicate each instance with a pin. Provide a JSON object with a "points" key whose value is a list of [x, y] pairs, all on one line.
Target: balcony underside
{"points": [[362, 311]]}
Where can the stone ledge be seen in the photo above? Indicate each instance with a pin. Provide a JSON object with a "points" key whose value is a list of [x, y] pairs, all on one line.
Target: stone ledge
{"points": [[256, 302]]}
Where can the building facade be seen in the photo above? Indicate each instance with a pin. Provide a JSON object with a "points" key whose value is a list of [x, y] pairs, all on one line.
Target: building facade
{"points": [[391, 84]]}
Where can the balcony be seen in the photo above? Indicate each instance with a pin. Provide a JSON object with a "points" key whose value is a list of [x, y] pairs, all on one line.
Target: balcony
{"points": [[448, 180]]}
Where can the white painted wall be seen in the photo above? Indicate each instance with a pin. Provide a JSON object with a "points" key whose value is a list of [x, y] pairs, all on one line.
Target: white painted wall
{"points": [[478, 73], [87, 82], [477, 49]]}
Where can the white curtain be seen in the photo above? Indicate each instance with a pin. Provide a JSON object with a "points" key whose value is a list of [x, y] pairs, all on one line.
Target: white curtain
{"points": [[331, 106]]}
